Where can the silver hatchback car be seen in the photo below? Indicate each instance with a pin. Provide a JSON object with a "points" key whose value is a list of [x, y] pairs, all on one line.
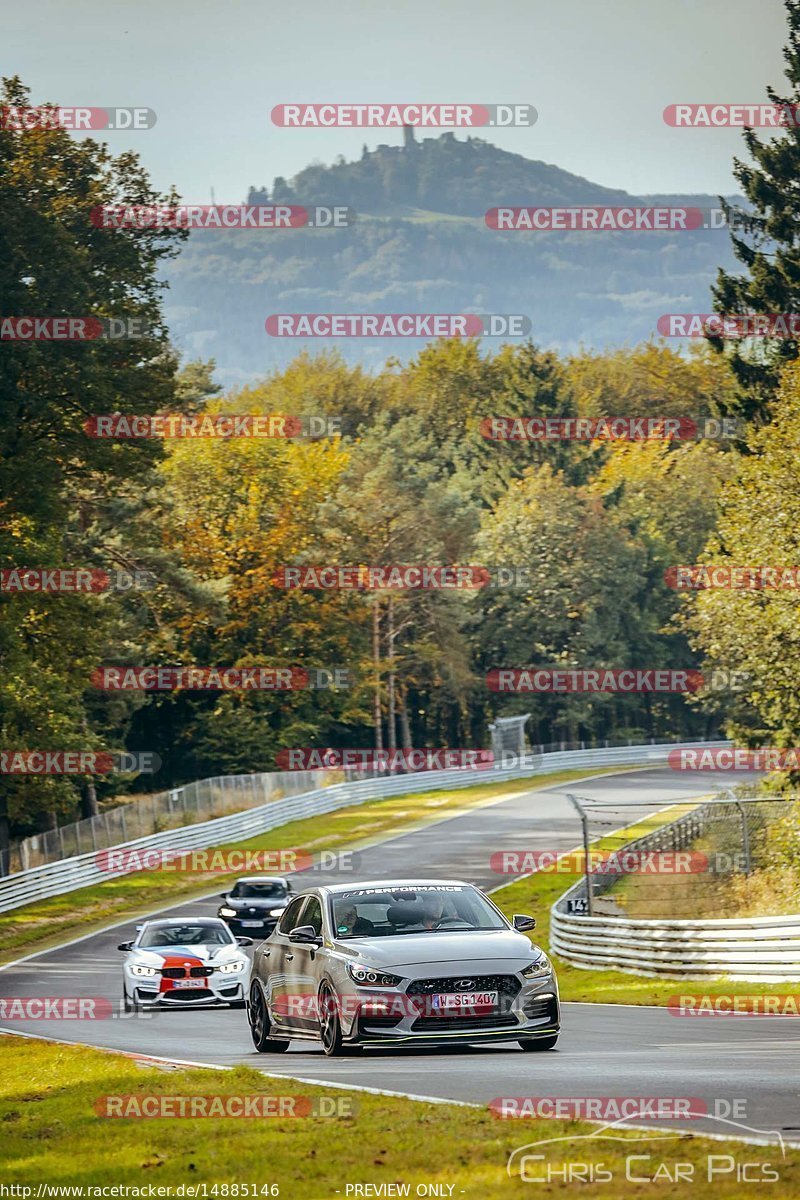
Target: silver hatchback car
{"points": [[400, 963]]}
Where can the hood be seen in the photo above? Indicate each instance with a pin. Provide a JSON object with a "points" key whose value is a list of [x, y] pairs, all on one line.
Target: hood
{"points": [[257, 903], [178, 955], [444, 950]]}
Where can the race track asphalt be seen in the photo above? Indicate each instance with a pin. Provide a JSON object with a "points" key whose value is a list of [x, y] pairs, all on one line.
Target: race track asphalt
{"points": [[604, 1050]]}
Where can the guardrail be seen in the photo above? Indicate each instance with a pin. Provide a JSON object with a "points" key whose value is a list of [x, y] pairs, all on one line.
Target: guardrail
{"points": [[766, 949], [198, 801], [82, 870]]}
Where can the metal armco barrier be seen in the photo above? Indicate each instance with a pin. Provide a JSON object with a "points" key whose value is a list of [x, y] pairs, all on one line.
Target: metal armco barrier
{"points": [[82, 870], [754, 948], [761, 949]]}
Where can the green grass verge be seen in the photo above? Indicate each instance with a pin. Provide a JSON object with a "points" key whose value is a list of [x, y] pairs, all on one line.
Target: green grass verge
{"points": [[47, 923], [53, 1135], [535, 894]]}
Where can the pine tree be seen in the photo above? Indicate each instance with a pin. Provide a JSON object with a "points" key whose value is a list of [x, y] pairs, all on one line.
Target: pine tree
{"points": [[766, 239]]}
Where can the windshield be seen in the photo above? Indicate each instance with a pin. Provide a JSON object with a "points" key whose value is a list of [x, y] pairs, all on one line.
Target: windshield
{"points": [[195, 934], [374, 912], [271, 889]]}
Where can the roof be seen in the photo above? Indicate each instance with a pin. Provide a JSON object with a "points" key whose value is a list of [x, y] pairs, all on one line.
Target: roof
{"points": [[261, 879]]}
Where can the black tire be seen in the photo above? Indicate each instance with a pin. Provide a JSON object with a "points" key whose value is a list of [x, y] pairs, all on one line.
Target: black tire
{"points": [[330, 1027], [260, 1026], [544, 1043], [128, 1005]]}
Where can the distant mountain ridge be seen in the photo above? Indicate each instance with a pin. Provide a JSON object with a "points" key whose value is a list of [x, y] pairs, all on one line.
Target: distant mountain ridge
{"points": [[420, 244]]}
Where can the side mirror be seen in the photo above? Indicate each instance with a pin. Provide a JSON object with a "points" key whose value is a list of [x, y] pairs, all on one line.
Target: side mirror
{"points": [[305, 935], [223, 895], [522, 923], [244, 941], [125, 946]]}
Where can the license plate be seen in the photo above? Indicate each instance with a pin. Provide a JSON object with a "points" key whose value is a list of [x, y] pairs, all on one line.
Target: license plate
{"points": [[252, 924], [463, 1000], [189, 983]]}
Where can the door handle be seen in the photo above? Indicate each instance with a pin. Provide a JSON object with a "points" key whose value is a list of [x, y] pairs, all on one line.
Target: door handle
{"points": [[289, 957]]}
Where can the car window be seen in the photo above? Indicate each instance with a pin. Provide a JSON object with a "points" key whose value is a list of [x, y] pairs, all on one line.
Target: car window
{"points": [[259, 891], [424, 909], [186, 935], [289, 919], [312, 915]]}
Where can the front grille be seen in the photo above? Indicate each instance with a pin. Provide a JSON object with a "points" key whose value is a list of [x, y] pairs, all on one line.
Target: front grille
{"points": [[182, 973], [180, 994], [463, 1024], [435, 1020], [507, 986]]}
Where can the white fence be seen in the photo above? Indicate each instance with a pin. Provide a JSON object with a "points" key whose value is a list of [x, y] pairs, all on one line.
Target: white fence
{"points": [[82, 870]]}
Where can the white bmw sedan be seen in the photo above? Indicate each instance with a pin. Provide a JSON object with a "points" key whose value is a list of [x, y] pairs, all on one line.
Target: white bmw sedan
{"points": [[185, 962]]}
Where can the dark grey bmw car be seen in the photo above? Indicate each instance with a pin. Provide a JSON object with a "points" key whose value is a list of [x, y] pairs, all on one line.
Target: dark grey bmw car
{"points": [[254, 905], [400, 963]]}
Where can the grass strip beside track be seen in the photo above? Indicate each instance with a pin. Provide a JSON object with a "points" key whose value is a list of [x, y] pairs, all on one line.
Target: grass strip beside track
{"points": [[53, 1135]]}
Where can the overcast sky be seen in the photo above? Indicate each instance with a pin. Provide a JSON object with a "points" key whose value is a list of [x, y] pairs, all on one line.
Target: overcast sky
{"points": [[599, 72]]}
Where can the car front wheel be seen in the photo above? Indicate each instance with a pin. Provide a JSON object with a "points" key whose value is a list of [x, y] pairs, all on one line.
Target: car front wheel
{"points": [[330, 1027], [260, 1027]]}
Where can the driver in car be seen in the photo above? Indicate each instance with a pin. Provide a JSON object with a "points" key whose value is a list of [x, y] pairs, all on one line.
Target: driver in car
{"points": [[348, 922], [437, 911]]}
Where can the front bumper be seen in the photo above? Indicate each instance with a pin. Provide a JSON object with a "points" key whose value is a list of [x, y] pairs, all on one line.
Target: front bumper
{"points": [[251, 926], [533, 1011], [157, 993]]}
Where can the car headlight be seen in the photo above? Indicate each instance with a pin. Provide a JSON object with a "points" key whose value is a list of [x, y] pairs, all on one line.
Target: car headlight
{"points": [[537, 969], [276, 912], [227, 912], [367, 977], [138, 969], [238, 964]]}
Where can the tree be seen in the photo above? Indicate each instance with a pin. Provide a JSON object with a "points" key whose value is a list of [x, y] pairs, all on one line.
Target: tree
{"points": [[579, 606], [53, 477], [765, 240], [756, 632], [399, 503], [241, 509]]}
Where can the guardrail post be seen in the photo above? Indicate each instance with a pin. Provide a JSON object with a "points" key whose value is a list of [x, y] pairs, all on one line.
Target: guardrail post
{"points": [[585, 828], [748, 866]]}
